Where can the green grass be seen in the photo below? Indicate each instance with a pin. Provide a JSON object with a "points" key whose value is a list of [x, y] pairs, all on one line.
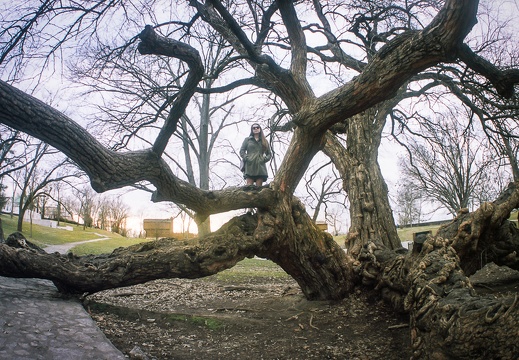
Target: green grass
{"points": [[406, 234], [210, 323], [252, 268], [43, 235], [339, 239], [105, 246], [163, 319]]}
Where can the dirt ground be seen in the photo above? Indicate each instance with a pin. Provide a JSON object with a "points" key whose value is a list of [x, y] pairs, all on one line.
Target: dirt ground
{"points": [[245, 318]]}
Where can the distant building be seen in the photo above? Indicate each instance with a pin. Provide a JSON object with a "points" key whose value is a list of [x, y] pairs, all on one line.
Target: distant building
{"points": [[158, 228], [322, 225]]}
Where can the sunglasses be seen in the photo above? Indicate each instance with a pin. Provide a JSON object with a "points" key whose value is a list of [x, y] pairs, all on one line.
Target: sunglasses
{"points": [[255, 127]]}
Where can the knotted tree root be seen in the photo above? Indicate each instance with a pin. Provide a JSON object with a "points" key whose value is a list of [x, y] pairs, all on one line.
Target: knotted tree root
{"points": [[448, 319]]}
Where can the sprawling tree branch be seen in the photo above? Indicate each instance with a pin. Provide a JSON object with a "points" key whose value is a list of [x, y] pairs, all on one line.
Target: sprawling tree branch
{"points": [[393, 66], [399, 60], [168, 258], [151, 43], [111, 170], [503, 80]]}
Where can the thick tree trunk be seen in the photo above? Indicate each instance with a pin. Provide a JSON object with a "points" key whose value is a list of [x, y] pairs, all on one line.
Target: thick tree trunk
{"points": [[448, 318], [370, 212], [308, 254]]}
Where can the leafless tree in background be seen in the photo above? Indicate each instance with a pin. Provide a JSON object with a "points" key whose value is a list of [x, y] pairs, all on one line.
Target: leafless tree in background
{"points": [[449, 164]]}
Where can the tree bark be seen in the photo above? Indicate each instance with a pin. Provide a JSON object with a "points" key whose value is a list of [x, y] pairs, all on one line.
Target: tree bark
{"points": [[370, 212], [448, 319], [308, 254], [486, 235]]}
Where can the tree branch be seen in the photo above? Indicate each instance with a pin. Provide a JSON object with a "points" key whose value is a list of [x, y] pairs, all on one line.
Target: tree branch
{"points": [[297, 40], [111, 170], [151, 43], [165, 258], [503, 80], [399, 60]]}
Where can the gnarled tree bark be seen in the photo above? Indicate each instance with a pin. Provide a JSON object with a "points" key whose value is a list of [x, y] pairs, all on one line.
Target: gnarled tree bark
{"points": [[370, 211], [449, 320]]}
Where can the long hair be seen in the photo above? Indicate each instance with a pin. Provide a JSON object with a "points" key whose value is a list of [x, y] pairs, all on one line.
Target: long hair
{"points": [[264, 142]]}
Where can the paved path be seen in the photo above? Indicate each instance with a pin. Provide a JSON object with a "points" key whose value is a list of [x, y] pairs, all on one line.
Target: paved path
{"points": [[37, 324], [64, 248]]}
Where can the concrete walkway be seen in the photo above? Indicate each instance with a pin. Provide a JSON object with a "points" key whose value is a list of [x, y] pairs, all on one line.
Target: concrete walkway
{"points": [[36, 323], [64, 248]]}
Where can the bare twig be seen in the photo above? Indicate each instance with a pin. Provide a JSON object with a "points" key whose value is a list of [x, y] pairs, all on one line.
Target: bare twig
{"points": [[311, 325], [295, 316]]}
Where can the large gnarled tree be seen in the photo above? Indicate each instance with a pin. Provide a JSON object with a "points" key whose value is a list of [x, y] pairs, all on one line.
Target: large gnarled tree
{"points": [[431, 284]]}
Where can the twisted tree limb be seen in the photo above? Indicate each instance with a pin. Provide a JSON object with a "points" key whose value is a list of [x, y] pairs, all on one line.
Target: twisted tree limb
{"points": [[153, 44], [160, 259], [448, 319]]}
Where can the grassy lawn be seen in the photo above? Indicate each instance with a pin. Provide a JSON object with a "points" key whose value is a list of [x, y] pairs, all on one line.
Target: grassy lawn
{"points": [[406, 234], [252, 268], [42, 235], [105, 246]]}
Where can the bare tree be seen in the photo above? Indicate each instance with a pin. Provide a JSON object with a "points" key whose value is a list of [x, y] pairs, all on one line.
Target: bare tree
{"points": [[102, 215], [409, 204], [269, 42], [10, 159], [322, 191], [336, 216], [118, 216], [33, 180], [448, 165], [86, 199]]}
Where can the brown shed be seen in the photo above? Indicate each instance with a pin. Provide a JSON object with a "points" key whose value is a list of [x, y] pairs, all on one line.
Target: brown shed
{"points": [[322, 225], [158, 228]]}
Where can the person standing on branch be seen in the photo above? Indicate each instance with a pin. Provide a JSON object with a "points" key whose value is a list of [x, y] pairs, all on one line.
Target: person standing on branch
{"points": [[255, 153]]}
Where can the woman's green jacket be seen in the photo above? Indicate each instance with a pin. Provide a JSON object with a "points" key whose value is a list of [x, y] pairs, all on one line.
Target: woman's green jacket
{"points": [[254, 158]]}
